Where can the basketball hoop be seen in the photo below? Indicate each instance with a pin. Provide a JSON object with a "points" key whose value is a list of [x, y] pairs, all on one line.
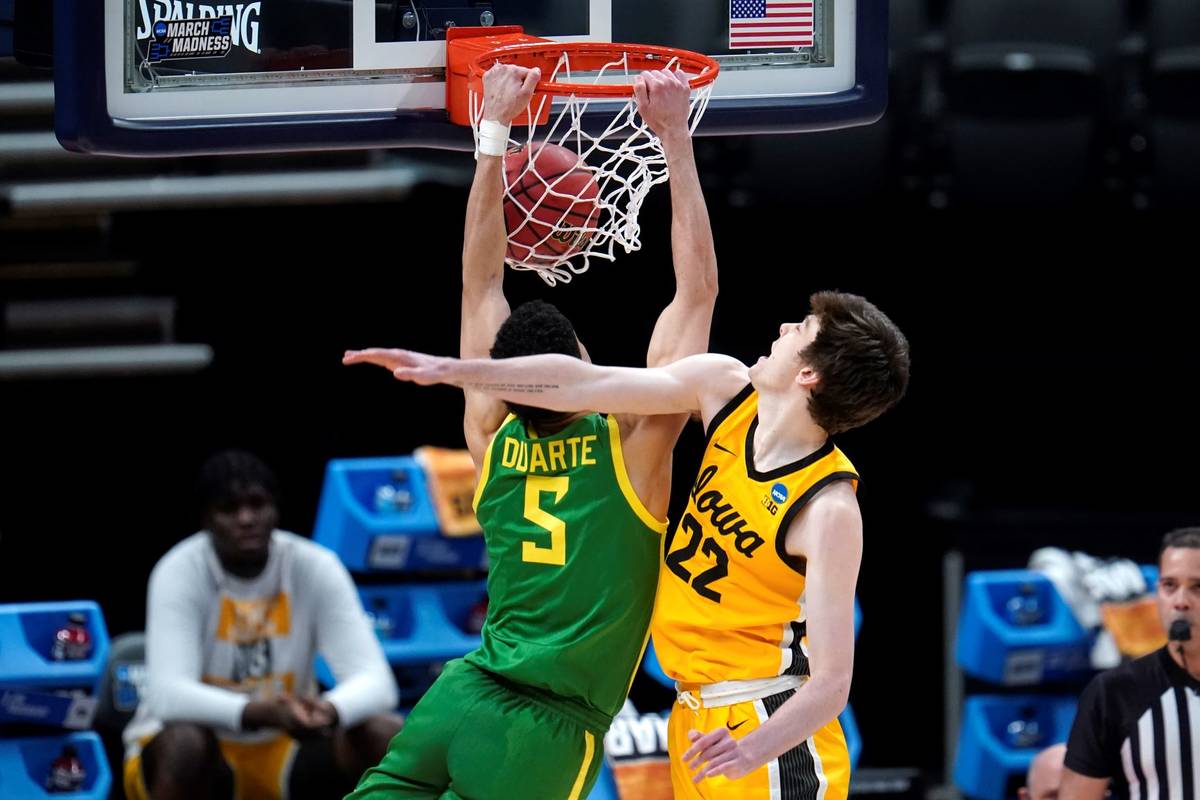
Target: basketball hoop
{"points": [[623, 155]]}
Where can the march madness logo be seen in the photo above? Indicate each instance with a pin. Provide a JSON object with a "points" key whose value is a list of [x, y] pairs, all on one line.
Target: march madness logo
{"points": [[190, 38], [194, 30]]}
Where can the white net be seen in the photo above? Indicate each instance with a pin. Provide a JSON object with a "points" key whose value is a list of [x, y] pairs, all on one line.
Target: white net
{"points": [[562, 215]]}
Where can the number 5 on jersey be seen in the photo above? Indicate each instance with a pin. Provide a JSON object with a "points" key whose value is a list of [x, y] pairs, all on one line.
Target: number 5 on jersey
{"points": [[532, 552]]}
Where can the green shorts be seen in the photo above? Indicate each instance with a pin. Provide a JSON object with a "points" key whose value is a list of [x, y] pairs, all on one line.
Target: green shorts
{"points": [[477, 736]]}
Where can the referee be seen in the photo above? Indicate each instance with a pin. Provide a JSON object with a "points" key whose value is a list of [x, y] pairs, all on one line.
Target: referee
{"points": [[1138, 726]]}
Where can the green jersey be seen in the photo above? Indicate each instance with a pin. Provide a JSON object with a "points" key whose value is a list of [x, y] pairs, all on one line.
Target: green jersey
{"points": [[573, 559]]}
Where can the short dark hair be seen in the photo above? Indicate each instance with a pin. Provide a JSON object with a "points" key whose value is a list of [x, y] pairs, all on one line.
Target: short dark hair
{"points": [[230, 473], [862, 360], [1180, 537], [532, 329]]}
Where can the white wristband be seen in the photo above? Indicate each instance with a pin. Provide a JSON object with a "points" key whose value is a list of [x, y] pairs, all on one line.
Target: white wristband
{"points": [[493, 138]]}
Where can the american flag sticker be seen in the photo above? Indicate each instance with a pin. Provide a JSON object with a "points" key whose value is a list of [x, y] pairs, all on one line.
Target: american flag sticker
{"points": [[770, 23]]}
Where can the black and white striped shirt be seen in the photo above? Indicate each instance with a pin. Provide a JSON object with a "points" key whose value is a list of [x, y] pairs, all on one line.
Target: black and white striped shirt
{"points": [[1139, 724]]}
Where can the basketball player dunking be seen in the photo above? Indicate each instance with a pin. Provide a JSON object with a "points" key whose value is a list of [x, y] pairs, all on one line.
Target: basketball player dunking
{"points": [[572, 506], [754, 617]]}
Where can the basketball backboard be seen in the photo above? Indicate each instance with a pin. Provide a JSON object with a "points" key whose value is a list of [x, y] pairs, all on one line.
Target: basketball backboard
{"points": [[161, 77]]}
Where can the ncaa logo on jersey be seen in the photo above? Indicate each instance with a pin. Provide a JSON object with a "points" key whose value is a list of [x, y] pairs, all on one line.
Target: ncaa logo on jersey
{"points": [[777, 496]]}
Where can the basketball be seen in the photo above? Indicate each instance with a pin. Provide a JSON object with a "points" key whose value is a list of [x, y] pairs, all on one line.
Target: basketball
{"points": [[547, 203]]}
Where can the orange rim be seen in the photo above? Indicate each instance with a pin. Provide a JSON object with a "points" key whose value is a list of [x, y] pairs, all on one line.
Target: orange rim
{"points": [[590, 56]]}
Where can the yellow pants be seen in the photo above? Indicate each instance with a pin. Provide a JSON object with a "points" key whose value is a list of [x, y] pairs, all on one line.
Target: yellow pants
{"points": [[260, 769], [816, 769]]}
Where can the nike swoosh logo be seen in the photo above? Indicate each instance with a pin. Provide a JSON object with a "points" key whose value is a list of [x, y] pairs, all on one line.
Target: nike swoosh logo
{"points": [[735, 727], [724, 449]]}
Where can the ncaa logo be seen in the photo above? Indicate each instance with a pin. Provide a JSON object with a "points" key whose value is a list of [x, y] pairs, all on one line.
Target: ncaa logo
{"points": [[779, 493], [160, 29]]}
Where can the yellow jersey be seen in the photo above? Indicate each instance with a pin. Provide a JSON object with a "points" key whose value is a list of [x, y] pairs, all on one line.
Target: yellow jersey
{"points": [[730, 600]]}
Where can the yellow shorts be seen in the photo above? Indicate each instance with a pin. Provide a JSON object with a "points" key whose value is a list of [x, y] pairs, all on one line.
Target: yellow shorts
{"points": [[260, 769], [816, 769]]}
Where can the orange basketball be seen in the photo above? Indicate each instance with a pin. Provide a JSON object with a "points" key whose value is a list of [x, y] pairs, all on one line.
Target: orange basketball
{"points": [[548, 204]]}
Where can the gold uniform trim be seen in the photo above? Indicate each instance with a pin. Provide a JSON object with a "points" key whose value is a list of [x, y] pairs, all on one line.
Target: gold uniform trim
{"points": [[589, 749], [487, 464], [635, 502]]}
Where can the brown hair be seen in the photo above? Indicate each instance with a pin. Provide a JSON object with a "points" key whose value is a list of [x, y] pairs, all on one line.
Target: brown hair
{"points": [[861, 358]]}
